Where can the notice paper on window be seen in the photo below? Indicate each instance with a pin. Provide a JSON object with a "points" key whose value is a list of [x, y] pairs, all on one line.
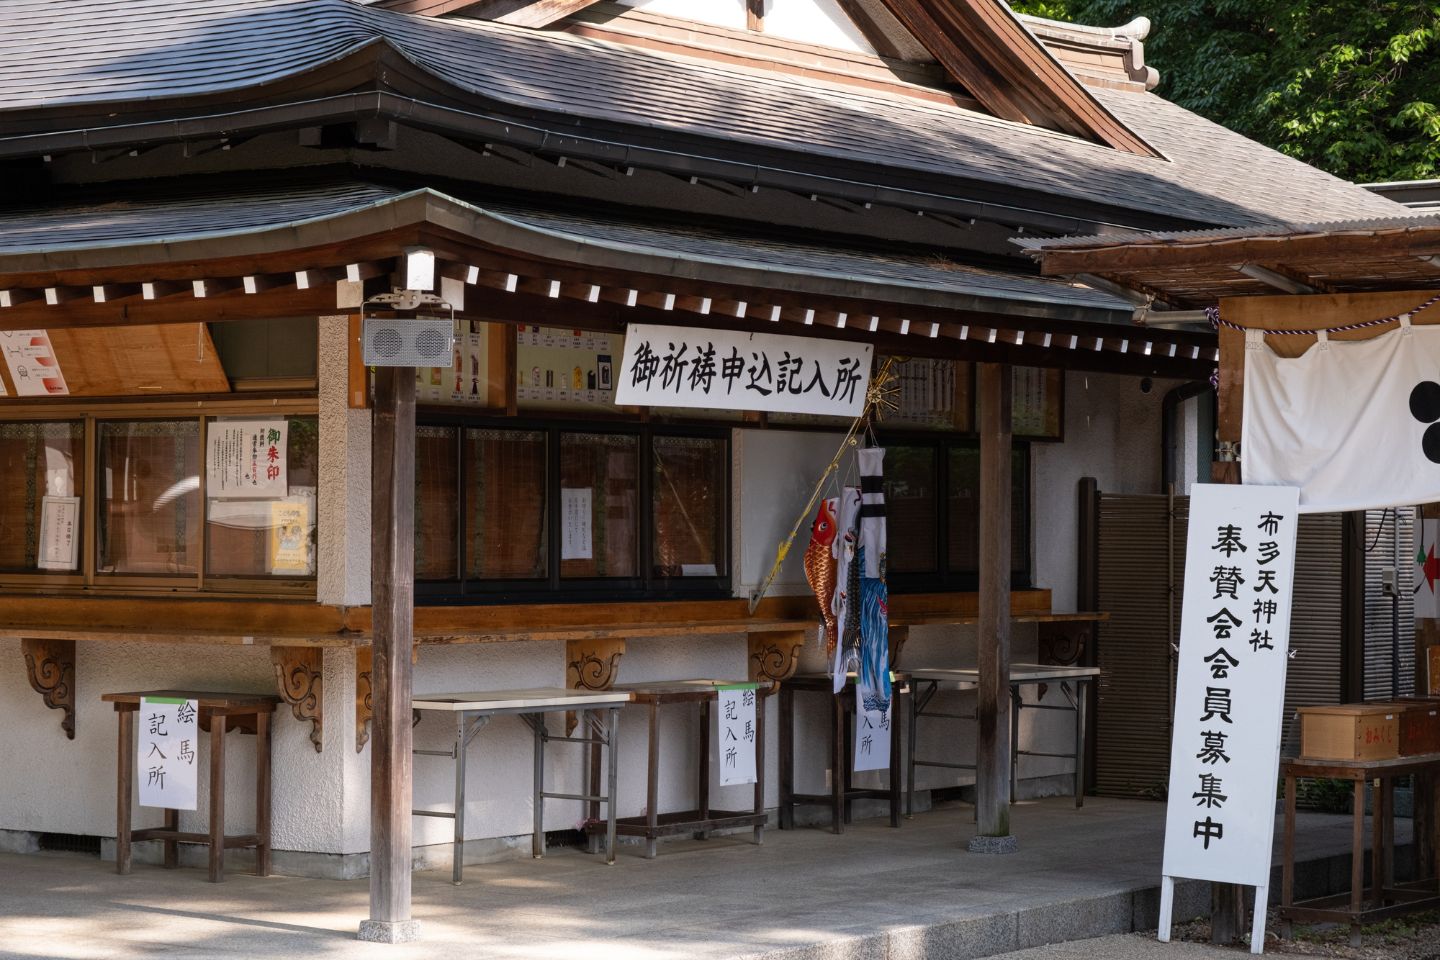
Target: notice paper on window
{"points": [[576, 542], [736, 734], [246, 459], [166, 745], [59, 533]]}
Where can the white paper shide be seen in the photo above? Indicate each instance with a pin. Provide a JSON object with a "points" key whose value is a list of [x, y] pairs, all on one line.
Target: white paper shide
{"points": [[1230, 686], [166, 751], [736, 734], [735, 370]]}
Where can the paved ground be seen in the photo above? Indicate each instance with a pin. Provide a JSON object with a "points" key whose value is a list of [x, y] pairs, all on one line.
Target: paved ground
{"points": [[872, 894]]}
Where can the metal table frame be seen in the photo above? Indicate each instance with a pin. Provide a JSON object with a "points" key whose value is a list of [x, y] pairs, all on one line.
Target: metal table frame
{"points": [[652, 824], [926, 682], [474, 710]]}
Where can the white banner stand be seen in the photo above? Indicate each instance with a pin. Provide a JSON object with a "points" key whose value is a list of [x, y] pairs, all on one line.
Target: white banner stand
{"points": [[1230, 692]]}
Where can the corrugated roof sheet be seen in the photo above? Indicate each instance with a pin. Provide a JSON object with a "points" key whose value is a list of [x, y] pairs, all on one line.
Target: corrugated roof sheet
{"points": [[102, 51], [178, 218], [1374, 226]]}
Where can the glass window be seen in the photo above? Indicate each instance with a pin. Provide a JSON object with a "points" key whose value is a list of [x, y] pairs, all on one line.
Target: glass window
{"points": [[436, 495], [275, 535], [689, 491], [964, 544], [40, 515], [150, 508], [599, 496], [505, 524], [911, 505]]}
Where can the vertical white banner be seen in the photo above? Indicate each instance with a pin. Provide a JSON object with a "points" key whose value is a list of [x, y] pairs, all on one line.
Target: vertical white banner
{"points": [[1230, 687], [872, 735], [1427, 569], [166, 745], [736, 734]]}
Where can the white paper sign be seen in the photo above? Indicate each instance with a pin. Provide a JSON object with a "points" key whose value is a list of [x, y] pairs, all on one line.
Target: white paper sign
{"points": [[165, 759], [59, 533], [734, 370], [872, 736], [736, 732], [575, 539], [1427, 569], [1230, 687], [246, 459], [32, 363]]}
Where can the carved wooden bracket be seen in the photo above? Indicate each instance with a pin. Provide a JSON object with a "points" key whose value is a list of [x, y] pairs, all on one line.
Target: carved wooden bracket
{"points": [[899, 636], [300, 672], [50, 664], [364, 708], [774, 656], [591, 665], [1063, 643]]}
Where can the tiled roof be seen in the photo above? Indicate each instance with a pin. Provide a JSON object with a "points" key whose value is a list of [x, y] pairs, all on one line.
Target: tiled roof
{"points": [[110, 51], [71, 236]]}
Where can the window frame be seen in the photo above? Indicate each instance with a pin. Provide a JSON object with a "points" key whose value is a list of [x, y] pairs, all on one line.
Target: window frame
{"points": [[944, 579], [553, 588], [88, 579]]}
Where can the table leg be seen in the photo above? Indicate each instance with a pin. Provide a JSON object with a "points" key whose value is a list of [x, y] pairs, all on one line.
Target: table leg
{"points": [[262, 793], [537, 843], [1287, 860], [1014, 738], [217, 797], [172, 847], [704, 802], [652, 781], [896, 712], [457, 840], [787, 756], [1377, 844], [124, 790], [613, 755], [593, 726], [1388, 857], [839, 768], [760, 705], [1082, 693], [910, 739], [1357, 860]]}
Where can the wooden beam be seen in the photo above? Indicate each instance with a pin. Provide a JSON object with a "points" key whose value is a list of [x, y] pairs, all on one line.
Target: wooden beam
{"points": [[755, 15], [1273, 278], [392, 492], [992, 745], [1222, 255]]}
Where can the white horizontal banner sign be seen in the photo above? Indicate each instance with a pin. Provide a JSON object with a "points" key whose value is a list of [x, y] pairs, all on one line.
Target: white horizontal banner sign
{"points": [[734, 370], [1328, 420], [1230, 685]]}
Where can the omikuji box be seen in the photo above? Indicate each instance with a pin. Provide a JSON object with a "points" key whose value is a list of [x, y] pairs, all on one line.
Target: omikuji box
{"points": [[1352, 731], [1419, 725]]}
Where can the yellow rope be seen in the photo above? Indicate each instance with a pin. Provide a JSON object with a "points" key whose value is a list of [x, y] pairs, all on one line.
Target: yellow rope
{"points": [[877, 399]]}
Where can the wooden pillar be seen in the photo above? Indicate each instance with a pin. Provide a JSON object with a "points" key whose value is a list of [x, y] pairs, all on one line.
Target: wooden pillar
{"points": [[992, 747], [392, 491]]}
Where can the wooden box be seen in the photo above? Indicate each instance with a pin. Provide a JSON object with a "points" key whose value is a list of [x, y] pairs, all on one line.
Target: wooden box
{"points": [[1419, 725], [1352, 731], [1433, 655]]}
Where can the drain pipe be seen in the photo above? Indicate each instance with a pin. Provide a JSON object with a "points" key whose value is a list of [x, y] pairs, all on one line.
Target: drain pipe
{"points": [[1169, 432]]}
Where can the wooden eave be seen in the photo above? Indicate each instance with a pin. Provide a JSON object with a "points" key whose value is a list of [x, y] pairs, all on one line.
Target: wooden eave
{"points": [[1204, 269], [514, 273]]}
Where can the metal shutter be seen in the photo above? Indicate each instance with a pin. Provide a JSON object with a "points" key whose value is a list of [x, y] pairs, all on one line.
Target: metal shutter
{"points": [[1316, 661]]}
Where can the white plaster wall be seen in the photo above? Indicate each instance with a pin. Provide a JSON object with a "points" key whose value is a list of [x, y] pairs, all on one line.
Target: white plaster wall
{"points": [[820, 22], [54, 785]]}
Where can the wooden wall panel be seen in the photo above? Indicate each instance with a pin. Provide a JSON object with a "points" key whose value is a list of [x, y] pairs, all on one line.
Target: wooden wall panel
{"points": [[148, 360]]}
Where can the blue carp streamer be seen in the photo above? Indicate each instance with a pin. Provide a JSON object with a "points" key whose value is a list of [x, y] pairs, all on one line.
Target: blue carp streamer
{"points": [[874, 676]]}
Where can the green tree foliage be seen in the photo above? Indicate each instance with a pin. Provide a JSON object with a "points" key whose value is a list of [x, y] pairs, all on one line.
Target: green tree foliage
{"points": [[1350, 86]]}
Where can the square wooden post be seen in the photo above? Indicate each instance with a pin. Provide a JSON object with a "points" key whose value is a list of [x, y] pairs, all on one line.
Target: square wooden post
{"points": [[992, 746], [392, 480]]}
